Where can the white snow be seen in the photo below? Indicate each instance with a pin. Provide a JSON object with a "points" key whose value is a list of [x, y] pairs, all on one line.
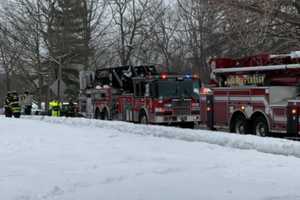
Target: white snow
{"points": [[77, 159], [265, 145]]}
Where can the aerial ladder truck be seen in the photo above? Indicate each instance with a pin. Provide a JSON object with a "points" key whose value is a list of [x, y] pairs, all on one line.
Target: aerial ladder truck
{"points": [[254, 95], [140, 94]]}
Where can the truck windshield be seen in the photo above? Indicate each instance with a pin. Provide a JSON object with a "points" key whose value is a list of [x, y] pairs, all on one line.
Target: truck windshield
{"points": [[175, 88]]}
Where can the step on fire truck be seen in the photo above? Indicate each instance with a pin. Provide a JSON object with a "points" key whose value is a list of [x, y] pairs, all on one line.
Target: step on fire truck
{"points": [[140, 94], [254, 95]]}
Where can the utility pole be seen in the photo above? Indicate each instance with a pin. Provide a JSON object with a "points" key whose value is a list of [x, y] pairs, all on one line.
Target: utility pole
{"points": [[59, 80], [7, 77], [63, 50], [59, 62], [37, 40]]}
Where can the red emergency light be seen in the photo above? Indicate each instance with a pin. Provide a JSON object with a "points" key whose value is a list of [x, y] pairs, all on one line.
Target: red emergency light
{"points": [[164, 76]]}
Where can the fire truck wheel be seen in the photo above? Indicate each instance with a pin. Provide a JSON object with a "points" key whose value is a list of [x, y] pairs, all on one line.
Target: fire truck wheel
{"points": [[260, 126], [97, 114], [240, 125], [104, 115], [143, 118], [189, 125]]}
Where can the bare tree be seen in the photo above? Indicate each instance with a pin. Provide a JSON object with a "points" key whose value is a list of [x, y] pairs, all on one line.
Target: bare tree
{"points": [[129, 18], [274, 25], [163, 28], [203, 36], [184, 35]]}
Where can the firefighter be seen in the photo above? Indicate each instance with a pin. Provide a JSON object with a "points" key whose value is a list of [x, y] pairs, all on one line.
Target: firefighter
{"points": [[55, 107], [12, 105], [8, 99], [27, 102], [71, 109]]}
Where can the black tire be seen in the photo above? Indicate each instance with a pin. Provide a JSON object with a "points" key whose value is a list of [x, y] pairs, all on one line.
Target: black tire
{"points": [[260, 127], [104, 115], [240, 125], [143, 119], [189, 125], [97, 114]]}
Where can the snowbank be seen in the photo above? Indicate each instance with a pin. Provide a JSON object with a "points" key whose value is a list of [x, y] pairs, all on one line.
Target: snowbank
{"points": [[247, 142], [81, 160]]}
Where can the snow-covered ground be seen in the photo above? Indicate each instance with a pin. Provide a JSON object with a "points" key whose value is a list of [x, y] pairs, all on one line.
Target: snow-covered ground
{"points": [[75, 159]]}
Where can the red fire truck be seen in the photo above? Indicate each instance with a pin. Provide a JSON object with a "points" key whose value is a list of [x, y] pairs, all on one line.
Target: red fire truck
{"points": [[254, 95], [140, 94]]}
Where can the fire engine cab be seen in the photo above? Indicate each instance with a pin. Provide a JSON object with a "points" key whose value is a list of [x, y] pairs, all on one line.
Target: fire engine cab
{"points": [[254, 95], [140, 94]]}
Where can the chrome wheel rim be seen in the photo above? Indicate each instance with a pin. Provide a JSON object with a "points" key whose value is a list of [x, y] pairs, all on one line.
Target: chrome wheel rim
{"points": [[144, 120], [240, 128], [105, 116], [260, 129]]}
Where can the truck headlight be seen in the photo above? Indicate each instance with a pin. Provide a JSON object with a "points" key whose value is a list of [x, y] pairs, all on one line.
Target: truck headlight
{"points": [[159, 110]]}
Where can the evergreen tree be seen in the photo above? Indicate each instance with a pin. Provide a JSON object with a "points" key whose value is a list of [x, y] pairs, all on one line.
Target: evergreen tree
{"points": [[69, 40]]}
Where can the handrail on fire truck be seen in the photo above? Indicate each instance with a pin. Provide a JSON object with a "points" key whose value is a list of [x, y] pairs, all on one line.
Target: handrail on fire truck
{"points": [[256, 63], [257, 68]]}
